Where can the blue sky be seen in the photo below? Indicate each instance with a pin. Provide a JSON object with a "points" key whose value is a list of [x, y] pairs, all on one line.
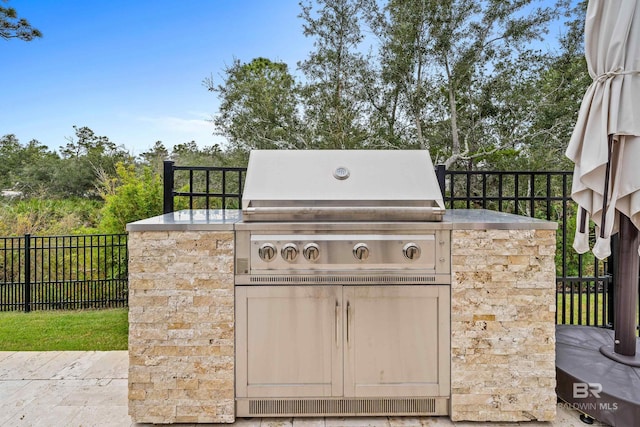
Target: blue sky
{"points": [[133, 70]]}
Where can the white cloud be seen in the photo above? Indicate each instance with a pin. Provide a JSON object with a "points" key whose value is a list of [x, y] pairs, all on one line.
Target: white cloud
{"points": [[196, 124]]}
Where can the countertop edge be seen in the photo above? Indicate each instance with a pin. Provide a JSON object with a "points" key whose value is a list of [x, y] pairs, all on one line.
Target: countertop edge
{"points": [[179, 227], [189, 220], [455, 219], [483, 219]]}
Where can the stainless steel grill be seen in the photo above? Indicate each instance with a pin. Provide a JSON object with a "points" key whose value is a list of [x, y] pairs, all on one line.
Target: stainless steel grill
{"points": [[343, 267], [342, 185]]}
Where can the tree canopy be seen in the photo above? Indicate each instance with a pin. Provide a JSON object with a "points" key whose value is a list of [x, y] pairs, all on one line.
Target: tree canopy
{"points": [[259, 106], [13, 27], [473, 82]]}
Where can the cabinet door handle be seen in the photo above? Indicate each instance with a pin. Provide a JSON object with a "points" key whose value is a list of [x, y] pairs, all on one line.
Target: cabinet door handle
{"points": [[348, 319], [337, 324]]}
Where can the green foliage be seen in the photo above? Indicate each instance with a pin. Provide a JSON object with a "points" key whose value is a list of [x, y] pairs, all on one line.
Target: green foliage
{"points": [[27, 168], [10, 159], [59, 193], [128, 197], [556, 97], [459, 70], [333, 93], [12, 27], [258, 106], [38, 172], [83, 157], [48, 216], [155, 157], [467, 80], [100, 330]]}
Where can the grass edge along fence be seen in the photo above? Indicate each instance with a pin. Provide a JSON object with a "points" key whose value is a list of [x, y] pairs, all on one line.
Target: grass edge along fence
{"points": [[585, 285], [63, 272]]}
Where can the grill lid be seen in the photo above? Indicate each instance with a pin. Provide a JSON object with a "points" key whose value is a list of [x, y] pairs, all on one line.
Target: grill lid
{"points": [[344, 185]]}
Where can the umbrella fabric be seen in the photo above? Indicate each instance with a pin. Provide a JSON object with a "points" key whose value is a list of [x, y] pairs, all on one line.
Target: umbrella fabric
{"points": [[610, 108]]}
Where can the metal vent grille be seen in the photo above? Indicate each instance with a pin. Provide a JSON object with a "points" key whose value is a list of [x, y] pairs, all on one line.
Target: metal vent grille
{"points": [[342, 406], [324, 279]]}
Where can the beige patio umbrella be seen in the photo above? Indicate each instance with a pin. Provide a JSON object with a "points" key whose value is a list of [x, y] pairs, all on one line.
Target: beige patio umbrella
{"points": [[611, 107], [605, 145]]}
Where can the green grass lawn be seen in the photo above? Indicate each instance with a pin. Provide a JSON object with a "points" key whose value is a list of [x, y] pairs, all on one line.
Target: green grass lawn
{"points": [[580, 318], [64, 330]]}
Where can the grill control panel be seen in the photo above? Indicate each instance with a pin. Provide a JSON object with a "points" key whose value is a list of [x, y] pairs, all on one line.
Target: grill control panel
{"points": [[342, 253], [291, 252]]}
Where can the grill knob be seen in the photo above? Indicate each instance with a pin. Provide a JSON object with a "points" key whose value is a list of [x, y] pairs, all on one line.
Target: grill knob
{"points": [[311, 251], [411, 251], [267, 252], [289, 252], [361, 251]]}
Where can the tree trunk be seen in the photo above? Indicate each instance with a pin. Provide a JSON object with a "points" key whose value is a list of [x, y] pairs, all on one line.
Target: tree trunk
{"points": [[455, 139]]}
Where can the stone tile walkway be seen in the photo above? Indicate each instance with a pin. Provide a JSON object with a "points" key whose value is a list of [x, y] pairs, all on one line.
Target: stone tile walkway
{"points": [[63, 388], [90, 389]]}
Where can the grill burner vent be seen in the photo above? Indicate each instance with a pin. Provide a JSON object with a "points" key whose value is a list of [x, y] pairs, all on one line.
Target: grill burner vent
{"points": [[325, 279], [268, 407]]}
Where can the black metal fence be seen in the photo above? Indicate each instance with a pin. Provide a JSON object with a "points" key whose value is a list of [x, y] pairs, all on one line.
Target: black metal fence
{"points": [[202, 187], [63, 272], [584, 284], [70, 272]]}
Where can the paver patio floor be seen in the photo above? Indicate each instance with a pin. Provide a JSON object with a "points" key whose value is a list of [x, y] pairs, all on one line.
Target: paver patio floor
{"points": [[73, 388]]}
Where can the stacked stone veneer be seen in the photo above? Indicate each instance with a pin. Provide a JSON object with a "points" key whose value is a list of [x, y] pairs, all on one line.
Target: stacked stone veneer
{"points": [[503, 325], [181, 327]]}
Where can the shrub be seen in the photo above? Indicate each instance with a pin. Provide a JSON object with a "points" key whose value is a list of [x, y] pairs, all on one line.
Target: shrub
{"points": [[130, 196]]}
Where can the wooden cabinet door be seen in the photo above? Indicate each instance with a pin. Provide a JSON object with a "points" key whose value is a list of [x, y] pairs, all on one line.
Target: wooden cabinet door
{"points": [[396, 341], [289, 341]]}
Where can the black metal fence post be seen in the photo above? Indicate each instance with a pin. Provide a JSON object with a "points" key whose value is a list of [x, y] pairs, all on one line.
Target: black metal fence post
{"points": [[441, 171], [167, 183], [27, 273]]}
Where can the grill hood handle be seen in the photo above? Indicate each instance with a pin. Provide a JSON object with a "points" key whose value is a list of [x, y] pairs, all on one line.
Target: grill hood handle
{"points": [[417, 213]]}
